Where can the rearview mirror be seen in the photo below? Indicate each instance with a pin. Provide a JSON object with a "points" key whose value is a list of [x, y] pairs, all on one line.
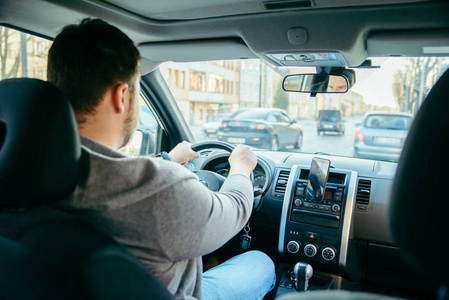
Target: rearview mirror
{"points": [[316, 83], [325, 80]]}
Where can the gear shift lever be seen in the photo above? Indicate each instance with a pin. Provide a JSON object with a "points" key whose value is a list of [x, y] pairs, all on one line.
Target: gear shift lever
{"points": [[303, 273]]}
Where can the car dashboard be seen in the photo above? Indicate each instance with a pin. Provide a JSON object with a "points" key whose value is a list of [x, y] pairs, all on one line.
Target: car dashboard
{"points": [[347, 235], [373, 183]]}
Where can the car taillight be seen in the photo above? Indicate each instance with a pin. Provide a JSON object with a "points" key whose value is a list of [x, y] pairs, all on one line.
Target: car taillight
{"points": [[318, 123], [359, 135], [338, 124], [221, 125], [260, 127]]}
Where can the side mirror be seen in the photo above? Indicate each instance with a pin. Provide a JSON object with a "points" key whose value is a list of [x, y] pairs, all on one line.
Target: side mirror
{"points": [[142, 143], [147, 141]]}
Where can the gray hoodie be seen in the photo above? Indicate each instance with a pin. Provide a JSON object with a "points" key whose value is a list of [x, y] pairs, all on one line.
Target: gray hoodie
{"points": [[161, 212]]}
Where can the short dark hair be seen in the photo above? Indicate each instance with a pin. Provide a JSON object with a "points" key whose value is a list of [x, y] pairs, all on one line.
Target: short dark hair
{"points": [[86, 59]]}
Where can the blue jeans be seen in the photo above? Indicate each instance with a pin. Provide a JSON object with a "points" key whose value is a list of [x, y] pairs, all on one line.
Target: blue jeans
{"points": [[247, 276]]}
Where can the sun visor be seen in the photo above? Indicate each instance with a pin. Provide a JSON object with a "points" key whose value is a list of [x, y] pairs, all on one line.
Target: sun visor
{"points": [[409, 43], [199, 50]]}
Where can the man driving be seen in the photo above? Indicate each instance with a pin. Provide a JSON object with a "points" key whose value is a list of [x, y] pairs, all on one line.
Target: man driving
{"points": [[155, 207]]}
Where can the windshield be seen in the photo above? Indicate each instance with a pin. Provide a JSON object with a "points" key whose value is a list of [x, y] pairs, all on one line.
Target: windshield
{"points": [[248, 91]]}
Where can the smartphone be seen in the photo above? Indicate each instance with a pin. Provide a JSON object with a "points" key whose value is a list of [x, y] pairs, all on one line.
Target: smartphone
{"points": [[316, 183]]}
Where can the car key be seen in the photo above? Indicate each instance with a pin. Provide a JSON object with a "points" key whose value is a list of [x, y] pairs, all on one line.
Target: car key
{"points": [[245, 241]]}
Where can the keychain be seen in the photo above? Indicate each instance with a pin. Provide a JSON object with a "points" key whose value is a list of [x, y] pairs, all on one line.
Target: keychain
{"points": [[246, 238]]}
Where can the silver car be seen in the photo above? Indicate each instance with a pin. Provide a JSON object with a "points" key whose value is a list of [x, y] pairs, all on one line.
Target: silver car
{"points": [[381, 135]]}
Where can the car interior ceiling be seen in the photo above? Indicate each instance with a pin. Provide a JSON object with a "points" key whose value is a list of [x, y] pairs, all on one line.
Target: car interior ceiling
{"points": [[185, 32], [368, 30]]}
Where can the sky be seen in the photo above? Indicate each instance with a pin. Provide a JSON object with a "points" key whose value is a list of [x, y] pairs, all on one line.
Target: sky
{"points": [[375, 85]]}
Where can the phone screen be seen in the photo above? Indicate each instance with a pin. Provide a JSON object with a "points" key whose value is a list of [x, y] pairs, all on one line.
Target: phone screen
{"points": [[316, 184]]}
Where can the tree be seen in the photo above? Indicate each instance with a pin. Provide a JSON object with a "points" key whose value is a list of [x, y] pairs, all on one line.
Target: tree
{"points": [[8, 71], [280, 98], [412, 84]]}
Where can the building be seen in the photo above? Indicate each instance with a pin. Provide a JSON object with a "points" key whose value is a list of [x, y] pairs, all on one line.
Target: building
{"points": [[206, 91]]}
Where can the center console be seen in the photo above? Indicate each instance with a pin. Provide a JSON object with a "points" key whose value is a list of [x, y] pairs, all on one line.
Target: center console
{"points": [[316, 221]]}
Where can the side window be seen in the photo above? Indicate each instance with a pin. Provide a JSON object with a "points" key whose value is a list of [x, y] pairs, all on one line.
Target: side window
{"points": [[283, 118], [272, 118], [143, 140], [25, 55], [22, 55]]}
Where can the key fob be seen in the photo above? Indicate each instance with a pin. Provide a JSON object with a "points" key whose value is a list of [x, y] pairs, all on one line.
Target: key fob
{"points": [[245, 241]]}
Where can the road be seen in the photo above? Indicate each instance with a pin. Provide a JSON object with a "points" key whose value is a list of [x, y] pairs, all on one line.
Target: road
{"points": [[330, 143]]}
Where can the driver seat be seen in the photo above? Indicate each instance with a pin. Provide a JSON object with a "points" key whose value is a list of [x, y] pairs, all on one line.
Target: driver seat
{"points": [[46, 253], [419, 207]]}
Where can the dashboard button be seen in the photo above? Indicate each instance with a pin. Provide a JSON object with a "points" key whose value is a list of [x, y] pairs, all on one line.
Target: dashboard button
{"points": [[294, 232], [293, 246], [300, 190], [327, 207], [328, 253], [310, 250], [336, 208], [298, 202], [312, 236]]}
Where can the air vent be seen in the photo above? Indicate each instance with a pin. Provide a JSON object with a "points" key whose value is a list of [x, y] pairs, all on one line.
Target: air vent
{"points": [[281, 183], [363, 192]]}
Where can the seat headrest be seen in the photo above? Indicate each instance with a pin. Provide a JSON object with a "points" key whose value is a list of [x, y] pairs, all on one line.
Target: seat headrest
{"points": [[420, 205], [40, 152]]}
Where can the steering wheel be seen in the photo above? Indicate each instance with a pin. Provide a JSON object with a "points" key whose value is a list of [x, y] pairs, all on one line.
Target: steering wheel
{"points": [[213, 144], [210, 179]]}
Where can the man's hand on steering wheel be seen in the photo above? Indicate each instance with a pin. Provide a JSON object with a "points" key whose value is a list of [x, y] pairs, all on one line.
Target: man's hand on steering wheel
{"points": [[242, 161], [183, 153]]}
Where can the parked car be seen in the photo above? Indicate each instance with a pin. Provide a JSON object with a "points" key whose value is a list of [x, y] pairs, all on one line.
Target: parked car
{"points": [[210, 129], [330, 120], [381, 135], [261, 127]]}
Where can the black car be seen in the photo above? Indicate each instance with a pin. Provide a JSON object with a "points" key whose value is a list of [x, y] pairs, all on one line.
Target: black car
{"points": [[261, 127], [330, 120]]}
